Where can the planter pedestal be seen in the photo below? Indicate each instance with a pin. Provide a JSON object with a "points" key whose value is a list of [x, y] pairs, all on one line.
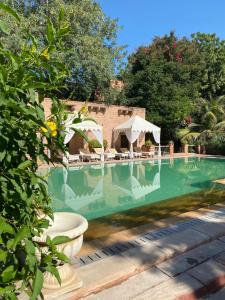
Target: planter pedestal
{"points": [[73, 226]]}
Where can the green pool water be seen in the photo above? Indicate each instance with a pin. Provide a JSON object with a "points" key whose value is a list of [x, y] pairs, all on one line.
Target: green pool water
{"points": [[131, 192]]}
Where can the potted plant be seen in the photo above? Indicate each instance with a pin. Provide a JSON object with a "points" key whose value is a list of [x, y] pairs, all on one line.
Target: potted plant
{"points": [[149, 145], [65, 235]]}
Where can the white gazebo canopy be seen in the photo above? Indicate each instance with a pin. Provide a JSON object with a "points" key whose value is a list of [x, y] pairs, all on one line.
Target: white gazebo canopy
{"points": [[134, 127], [85, 126]]}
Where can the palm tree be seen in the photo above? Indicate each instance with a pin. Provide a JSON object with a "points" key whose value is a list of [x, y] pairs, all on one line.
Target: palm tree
{"points": [[212, 123]]}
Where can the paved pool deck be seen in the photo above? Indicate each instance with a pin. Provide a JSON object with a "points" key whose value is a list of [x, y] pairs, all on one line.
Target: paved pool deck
{"points": [[182, 260]]}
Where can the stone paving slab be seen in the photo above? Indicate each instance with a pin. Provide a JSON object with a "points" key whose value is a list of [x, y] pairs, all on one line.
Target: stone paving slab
{"points": [[133, 287], [212, 229], [220, 258], [215, 216], [222, 238], [181, 241], [102, 273], [208, 272], [146, 256], [190, 259], [220, 295], [174, 288]]}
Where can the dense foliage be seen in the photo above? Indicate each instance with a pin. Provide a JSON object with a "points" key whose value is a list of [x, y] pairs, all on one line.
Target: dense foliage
{"points": [[89, 51], [210, 128], [95, 144], [170, 75], [25, 136]]}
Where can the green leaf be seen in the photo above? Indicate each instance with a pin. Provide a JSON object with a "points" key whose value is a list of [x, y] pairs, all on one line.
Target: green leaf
{"points": [[62, 257], [54, 271], [8, 274], [2, 155], [61, 13], [60, 240], [21, 234], [81, 134], [50, 31], [64, 30], [5, 227], [37, 284], [10, 11], [3, 255], [4, 27], [25, 164]]}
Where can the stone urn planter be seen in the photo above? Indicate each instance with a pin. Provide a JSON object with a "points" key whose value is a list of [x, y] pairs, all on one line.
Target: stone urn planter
{"points": [[73, 226]]}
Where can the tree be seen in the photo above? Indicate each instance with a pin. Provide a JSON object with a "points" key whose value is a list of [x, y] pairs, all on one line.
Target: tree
{"points": [[90, 51], [212, 74], [211, 125], [163, 78]]}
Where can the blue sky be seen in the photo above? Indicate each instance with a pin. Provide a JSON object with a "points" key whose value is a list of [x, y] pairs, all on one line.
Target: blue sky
{"points": [[144, 19]]}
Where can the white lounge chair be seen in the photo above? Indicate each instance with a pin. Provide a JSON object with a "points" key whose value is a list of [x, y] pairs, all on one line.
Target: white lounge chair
{"points": [[126, 152], [117, 154], [137, 152], [148, 153], [107, 155], [86, 155], [72, 157]]}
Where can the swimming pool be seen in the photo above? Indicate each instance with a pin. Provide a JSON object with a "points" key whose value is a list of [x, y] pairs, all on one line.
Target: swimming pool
{"points": [[134, 192]]}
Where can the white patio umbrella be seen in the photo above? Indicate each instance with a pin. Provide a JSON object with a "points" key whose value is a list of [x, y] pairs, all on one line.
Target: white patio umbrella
{"points": [[134, 127], [85, 126]]}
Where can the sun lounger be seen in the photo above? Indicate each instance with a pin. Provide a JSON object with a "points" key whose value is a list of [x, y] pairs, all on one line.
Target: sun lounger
{"points": [[107, 155], [148, 153], [125, 151], [71, 157], [86, 155], [137, 152], [117, 154]]}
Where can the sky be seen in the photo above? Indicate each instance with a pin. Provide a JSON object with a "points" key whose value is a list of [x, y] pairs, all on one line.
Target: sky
{"points": [[142, 20]]}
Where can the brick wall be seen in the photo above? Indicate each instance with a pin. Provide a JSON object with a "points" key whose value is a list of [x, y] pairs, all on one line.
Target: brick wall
{"points": [[109, 116]]}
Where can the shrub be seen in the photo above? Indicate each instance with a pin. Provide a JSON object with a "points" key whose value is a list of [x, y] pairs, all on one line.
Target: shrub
{"points": [[24, 200], [95, 144], [215, 148], [148, 143]]}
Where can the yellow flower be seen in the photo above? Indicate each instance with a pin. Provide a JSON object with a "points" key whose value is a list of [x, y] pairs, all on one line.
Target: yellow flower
{"points": [[84, 110], [52, 126], [45, 53], [54, 133]]}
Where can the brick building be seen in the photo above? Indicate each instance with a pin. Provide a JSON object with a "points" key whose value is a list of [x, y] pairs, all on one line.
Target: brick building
{"points": [[109, 116]]}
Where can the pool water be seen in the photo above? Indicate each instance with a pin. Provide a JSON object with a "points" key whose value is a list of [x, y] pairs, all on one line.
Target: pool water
{"points": [[128, 194]]}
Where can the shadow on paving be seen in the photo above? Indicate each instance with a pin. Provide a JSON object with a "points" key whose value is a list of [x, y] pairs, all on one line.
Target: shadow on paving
{"points": [[191, 262]]}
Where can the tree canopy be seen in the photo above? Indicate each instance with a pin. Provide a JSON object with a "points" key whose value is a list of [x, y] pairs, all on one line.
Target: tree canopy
{"points": [[168, 76], [90, 50]]}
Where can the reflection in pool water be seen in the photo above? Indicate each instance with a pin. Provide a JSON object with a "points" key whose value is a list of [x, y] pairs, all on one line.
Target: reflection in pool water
{"points": [[113, 193]]}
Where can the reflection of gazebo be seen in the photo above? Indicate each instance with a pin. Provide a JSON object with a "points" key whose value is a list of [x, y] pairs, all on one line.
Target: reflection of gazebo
{"points": [[137, 186], [134, 189], [77, 202], [69, 192]]}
